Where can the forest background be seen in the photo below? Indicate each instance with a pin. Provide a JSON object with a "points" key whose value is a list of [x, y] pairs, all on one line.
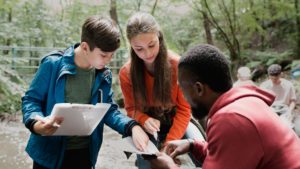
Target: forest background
{"points": [[255, 33]]}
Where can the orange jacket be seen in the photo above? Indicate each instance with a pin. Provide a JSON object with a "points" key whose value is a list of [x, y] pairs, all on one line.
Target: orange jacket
{"points": [[183, 112]]}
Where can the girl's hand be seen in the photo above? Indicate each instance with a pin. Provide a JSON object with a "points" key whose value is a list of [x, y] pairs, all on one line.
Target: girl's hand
{"points": [[152, 125]]}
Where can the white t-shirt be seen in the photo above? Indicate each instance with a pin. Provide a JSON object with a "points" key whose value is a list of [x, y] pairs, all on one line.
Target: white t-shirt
{"points": [[285, 91]]}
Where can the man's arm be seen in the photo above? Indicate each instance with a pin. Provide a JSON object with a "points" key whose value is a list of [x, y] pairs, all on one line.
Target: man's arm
{"points": [[233, 142], [198, 148]]}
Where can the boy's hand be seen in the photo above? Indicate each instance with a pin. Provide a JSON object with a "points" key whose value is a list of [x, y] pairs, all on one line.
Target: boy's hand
{"points": [[140, 138], [152, 125], [47, 126]]}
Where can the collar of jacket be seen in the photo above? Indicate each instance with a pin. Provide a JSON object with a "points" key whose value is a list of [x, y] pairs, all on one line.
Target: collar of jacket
{"points": [[68, 64]]}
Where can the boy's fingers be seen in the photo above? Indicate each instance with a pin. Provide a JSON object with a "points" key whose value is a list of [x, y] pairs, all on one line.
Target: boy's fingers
{"points": [[59, 120], [144, 144], [141, 147], [41, 119], [50, 122]]}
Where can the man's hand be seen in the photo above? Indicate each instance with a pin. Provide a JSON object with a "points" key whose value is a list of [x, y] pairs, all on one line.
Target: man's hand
{"points": [[47, 126], [163, 161], [140, 138], [152, 125], [177, 147]]}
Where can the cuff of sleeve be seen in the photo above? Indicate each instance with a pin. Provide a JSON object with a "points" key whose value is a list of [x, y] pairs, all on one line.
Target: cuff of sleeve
{"points": [[129, 126], [142, 118], [30, 123], [191, 147]]}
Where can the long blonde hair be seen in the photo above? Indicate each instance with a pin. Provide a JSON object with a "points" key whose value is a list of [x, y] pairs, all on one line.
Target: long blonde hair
{"points": [[146, 23]]}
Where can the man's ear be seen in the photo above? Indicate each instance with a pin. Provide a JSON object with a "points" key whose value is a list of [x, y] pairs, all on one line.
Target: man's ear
{"points": [[199, 88]]}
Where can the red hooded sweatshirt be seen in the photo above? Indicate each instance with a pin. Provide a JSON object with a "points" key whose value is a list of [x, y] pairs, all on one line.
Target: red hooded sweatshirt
{"points": [[244, 133]]}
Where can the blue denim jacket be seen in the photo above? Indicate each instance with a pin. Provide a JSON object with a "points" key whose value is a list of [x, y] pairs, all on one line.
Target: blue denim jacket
{"points": [[47, 89]]}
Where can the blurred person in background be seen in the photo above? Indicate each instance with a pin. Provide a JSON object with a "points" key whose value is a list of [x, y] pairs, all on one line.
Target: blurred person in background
{"points": [[244, 77], [284, 90]]}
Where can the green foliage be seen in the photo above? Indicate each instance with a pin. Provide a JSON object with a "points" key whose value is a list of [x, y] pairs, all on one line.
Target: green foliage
{"points": [[35, 23], [10, 104], [118, 96], [254, 59], [264, 30], [258, 24], [11, 90]]}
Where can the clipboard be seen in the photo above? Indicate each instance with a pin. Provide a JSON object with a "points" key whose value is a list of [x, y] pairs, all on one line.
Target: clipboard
{"points": [[79, 119]]}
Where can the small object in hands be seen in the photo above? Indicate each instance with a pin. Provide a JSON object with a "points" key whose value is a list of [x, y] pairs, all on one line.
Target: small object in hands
{"points": [[155, 136], [149, 156], [45, 120]]}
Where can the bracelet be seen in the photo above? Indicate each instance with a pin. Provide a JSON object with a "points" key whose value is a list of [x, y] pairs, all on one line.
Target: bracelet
{"points": [[191, 144]]}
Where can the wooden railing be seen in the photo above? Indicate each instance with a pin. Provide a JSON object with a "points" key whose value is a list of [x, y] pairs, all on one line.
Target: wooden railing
{"points": [[26, 60]]}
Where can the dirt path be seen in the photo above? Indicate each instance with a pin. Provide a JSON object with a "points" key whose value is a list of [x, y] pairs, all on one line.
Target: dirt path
{"points": [[14, 137]]}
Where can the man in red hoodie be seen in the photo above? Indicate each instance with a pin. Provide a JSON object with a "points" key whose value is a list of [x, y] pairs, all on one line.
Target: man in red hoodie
{"points": [[242, 131]]}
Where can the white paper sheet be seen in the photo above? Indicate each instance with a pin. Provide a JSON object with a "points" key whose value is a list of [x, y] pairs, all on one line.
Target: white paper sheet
{"points": [[79, 119], [128, 146]]}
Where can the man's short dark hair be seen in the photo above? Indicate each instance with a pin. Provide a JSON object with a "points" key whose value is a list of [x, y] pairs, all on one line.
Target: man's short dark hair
{"points": [[274, 70], [208, 65], [101, 32]]}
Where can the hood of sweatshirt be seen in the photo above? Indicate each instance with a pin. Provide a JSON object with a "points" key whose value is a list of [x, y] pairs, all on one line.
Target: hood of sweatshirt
{"points": [[241, 92]]}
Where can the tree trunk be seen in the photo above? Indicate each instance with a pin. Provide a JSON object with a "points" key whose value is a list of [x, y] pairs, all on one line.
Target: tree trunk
{"points": [[113, 10], [8, 40], [114, 16], [62, 10], [297, 8], [139, 3], [234, 53], [154, 7], [262, 38], [232, 27], [206, 23]]}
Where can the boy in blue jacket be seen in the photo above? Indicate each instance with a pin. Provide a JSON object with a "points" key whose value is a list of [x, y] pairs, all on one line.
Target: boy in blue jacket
{"points": [[76, 75]]}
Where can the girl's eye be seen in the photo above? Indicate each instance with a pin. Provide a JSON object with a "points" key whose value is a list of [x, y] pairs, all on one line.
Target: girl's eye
{"points": [[103, 56], [152, 45]]}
